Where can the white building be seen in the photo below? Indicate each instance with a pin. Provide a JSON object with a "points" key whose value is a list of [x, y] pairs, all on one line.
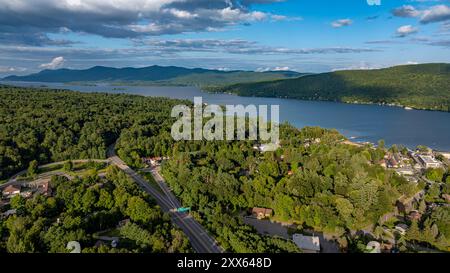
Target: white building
{"points": [[428, 161]]}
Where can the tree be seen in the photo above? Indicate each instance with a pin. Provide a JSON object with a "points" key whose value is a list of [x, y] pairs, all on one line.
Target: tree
{"points": [[68, 166], [32, 168], [413, 233], [140, 211]]}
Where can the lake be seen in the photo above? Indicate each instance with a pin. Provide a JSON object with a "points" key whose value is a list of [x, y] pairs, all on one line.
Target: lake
{"points": [[360, 122]]}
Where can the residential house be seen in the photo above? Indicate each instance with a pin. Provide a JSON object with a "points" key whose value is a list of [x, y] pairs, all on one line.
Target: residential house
{"points": [[308, 244], [44, 189], [261, 213], [405, 171], [401, 228], [446, 197], [414, 215], [123, 223], [11, 191]]}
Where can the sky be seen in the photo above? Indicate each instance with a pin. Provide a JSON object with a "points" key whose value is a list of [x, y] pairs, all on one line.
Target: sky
{"points": [[260, 35]]}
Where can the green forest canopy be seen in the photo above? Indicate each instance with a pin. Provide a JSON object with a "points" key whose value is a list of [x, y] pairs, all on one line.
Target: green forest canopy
{"points": [[424, 86]]}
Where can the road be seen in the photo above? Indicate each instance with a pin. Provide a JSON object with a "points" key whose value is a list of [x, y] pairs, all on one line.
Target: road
{"points": [[14, 179], [200, 240]]}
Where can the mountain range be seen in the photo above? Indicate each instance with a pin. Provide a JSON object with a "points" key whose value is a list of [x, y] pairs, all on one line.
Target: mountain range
{"points": [[153, 75]]}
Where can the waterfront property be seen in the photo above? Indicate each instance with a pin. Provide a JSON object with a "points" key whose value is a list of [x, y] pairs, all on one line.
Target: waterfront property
{"points": [[429, 161]]}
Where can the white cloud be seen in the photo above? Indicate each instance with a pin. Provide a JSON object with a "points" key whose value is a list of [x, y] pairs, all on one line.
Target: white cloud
{"points": [[10, 69], [55, 63], [341, 23], [128, 18], [437, 13], [406, 30], [406, 11]]}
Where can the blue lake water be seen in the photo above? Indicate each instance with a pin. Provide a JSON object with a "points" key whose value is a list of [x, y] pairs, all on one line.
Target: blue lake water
{"points": [[361, 122]]}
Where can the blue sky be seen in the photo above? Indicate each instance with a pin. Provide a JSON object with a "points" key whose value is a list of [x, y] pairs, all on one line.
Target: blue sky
{"points": [[306, 36]]}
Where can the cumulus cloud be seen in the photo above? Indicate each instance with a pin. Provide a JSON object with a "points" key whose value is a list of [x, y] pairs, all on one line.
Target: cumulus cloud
{"points": [[406, 30], [125, 18], [437, 13], [341, 23], [55, 63], [406, 11]]}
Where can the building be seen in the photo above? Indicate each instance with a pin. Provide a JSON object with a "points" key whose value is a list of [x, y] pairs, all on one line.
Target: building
{"points": [[446, 197], [261, 213], [123, 223], [154, 161], [401, 228], [269, 147], [414, 215], [11, 191], [405, 171], [428, 161], [308, 244], [44, 189]]}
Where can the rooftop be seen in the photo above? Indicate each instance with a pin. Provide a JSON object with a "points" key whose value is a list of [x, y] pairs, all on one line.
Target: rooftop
{"points": [[304, 242]]}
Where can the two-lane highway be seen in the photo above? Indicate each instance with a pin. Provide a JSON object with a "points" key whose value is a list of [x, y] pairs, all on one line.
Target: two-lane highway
{"points": [[200, 240]]}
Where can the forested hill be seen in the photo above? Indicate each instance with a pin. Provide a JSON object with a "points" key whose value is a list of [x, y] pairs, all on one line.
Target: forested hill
{"points": [[424, 86], [54, 125], [153, 75]]}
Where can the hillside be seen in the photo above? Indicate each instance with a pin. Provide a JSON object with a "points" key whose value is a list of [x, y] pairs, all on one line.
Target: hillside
{"points": [[424, 86], [153, 75]]}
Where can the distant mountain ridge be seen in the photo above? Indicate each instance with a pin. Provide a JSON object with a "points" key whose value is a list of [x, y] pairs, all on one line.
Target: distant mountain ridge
{"points": [[152, 74], [422, 86]]}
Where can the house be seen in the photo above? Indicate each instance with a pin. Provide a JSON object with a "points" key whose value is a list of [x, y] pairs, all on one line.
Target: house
{"points": [[11, 191], [428, 161], [405, 171], [446, 197], [153, 161], [123, 223], [392, 163], [401, 228], [290, 172], [414, 215], [269, 147], [308, 244], [26, 194], [44, 189], [261, 213]]}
